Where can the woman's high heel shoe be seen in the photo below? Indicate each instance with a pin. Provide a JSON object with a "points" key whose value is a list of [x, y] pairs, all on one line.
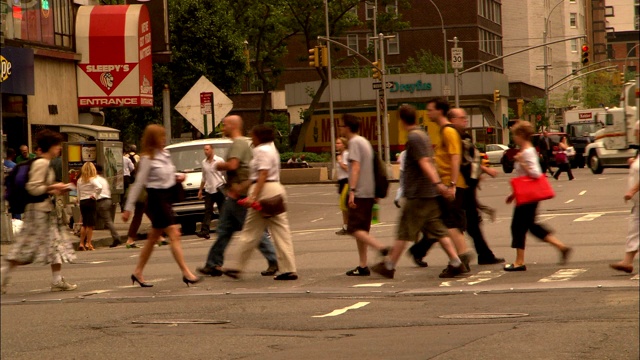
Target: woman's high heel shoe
{"points": [[90, 247], [134, 280], [188, 281], [81, 248]]}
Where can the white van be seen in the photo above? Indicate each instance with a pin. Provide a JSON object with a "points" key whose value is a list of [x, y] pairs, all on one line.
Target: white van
{"points": [[187, 157]]}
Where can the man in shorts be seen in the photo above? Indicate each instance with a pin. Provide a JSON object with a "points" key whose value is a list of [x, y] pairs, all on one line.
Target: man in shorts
{"points": [[421, 211], [361, 193]]}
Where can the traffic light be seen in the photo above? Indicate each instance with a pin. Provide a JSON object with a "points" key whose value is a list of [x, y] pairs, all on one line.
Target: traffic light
{"points": [[585, 54], [324, 56], [489, 130], [621, 78], [375, 73], [314, 55], [496, 96]]}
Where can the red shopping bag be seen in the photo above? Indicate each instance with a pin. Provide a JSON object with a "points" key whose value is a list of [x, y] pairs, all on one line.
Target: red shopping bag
{"points": [[529, 190]]}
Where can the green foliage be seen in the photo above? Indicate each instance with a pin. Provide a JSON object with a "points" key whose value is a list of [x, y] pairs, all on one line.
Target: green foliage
{"points": [[280, 122], [309, 157], [427, 63], [512, 114], [630, 75], [537, 109], [598, 90]]}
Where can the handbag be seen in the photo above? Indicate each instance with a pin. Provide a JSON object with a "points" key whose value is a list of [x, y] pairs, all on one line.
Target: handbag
{"points": [[272, 206], [527, 190], [570, 151], [561, 157]]}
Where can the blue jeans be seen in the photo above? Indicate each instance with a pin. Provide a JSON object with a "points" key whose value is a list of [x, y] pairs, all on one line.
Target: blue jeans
{"points": [[231, 220]]}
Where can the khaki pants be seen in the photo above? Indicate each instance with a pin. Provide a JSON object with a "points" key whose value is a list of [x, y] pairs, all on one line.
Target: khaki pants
{"points": [[253, 229]]}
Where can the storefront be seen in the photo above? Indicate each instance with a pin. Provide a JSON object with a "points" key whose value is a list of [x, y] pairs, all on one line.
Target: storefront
{"points": [[17, 82]]}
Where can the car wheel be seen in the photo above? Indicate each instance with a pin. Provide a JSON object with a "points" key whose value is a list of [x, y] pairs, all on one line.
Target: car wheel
{"points": [[594, 163]]}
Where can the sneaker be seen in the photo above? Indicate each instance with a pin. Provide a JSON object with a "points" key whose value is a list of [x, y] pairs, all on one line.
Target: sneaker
{"points": [[271, 270], [115, 243], [209, 271], [359, 271], [342, 231], [63, 285], [204, 235], [451, 271], [381, 269]]}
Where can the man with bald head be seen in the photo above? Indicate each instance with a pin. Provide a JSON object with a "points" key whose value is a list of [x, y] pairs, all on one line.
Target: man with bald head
{"points": [[232, 214]]}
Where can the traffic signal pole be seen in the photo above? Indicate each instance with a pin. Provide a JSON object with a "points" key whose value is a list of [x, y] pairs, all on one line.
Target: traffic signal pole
{"points": [[332, 121], [385, 116], [375, 59]]}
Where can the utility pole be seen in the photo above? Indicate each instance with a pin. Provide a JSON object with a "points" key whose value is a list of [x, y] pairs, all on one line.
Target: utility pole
{"points": [[331, 119], [166, 113], [456, 74], [375, 59], [385, 116]]}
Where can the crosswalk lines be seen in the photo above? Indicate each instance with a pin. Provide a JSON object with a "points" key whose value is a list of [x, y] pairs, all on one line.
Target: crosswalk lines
{"points": [[478, 278], [563, 275], [589, 217]]}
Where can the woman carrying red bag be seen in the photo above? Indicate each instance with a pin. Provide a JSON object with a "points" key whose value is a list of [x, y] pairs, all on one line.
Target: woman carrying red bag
{"points": [[524, 215]]}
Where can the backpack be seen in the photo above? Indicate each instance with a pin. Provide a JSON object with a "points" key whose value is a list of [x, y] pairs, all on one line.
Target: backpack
{"points": [[470, 159], [16, 188], [380, 176], [132, 157]]}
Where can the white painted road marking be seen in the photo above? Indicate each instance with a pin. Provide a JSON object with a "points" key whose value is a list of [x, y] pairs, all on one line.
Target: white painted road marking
{"points": [[368, 285], [97, 262], [563, 275], [582, 192], [569, 201], [318, 219], [478, 278], [589, 217], [343, 310], [637, 277]]}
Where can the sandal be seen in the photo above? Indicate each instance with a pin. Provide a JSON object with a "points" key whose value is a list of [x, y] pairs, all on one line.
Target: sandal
{"points": [[512, 267], [90, 247], [81, 248]]}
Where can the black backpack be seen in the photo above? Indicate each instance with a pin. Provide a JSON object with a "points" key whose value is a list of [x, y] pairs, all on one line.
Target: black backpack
{"points": [[380, 176], [16, 188]]}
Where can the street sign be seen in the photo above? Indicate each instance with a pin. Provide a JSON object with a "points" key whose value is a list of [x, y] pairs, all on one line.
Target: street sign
{"points": [[446, 91], [206, 99], [456, 58], [189, 105], [378, 85]]}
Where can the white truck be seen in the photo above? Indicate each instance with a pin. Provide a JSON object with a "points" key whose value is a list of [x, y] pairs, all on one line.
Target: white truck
{"points": [[581, 127], [615, 143]]}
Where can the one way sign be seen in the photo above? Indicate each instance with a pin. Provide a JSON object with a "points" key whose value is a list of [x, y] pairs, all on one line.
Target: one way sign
{"points": [[378, 85]]}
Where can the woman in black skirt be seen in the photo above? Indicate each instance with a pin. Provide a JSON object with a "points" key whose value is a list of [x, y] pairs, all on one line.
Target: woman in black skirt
{"points": [[157, 173], [89, 189]]}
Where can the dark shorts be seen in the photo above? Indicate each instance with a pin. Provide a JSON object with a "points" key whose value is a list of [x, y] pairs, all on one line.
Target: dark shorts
{"points": [[421, 216], [341, 184], [360, 217], [453, 214], [88, 212], [159, 208]]}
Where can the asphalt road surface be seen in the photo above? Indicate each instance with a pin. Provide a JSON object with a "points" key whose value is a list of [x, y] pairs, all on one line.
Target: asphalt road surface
{"points": [[582, 310]]}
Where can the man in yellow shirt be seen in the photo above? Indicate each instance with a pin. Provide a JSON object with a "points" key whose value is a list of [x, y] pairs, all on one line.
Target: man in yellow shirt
{"points": [[448, 156]]}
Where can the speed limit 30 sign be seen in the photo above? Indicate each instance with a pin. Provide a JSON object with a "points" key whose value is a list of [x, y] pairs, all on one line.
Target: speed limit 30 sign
{"points": [[456, 58]]}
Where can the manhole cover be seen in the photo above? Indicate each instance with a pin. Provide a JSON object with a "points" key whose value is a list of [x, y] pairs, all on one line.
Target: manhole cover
{"points": [[484, 316], [169, 322]]}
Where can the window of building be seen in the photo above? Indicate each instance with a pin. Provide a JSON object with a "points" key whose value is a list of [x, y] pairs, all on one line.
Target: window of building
{"points": [[573, 20], [370, 43], [572, 1], [489, 42], [41, 22], [574, 45], [352, 42], [393, 45], [394, 71], [481, 8], [608, 11], [354, 10], [63, 13], [632, 68], [490, 9], [392, 8], [370, 11], [631, 49], [575, 66], [610, 52]]}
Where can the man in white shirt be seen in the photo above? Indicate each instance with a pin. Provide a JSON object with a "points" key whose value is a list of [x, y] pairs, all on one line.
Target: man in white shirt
{"points": [[210, 188], [103, 207], [127, 169]]}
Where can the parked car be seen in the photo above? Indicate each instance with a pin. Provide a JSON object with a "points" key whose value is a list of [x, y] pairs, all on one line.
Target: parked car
{"points": [[495, 152], [187, 157], [507, 160]]}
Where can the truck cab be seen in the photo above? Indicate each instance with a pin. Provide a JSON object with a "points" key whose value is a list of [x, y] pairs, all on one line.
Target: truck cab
{"points": [[580, 134], [614, 144]]}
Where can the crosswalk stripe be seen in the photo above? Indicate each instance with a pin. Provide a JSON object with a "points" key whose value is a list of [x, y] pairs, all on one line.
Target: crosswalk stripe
{"points": [[343, 310], [637, 277], [478, 278], [563, 275], [589, 217]]}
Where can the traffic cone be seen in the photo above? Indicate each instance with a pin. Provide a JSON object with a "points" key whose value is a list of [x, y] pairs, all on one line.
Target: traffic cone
{"points": [[374, 214]]}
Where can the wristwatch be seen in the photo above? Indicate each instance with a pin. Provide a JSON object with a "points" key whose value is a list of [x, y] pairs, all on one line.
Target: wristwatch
{"points": [[452, 184], [352, 190]]}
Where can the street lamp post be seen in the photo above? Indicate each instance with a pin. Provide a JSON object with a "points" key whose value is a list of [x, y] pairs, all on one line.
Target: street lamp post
{"points": [[444, 34], [546, 62], [331, 119], [375, 59]]}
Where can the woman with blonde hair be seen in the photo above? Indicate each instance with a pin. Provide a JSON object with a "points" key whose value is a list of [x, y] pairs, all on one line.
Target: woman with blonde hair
{"points": [[157, 174], [89, 189], [342, 160]]}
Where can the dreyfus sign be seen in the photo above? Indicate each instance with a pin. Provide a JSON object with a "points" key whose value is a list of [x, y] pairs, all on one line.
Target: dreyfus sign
{"points": [[417, 86], [16, 71], [116, 67]]}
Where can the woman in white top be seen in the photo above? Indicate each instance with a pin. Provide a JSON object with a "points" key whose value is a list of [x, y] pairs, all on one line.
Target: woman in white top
{"points": [[524, 216], [342, 159], [633, 236], [562, 159], [157, 173], [43, 238], [89, 189], [265, 176]]}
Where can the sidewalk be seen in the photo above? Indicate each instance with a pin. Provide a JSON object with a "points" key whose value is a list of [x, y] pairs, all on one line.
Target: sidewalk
{"points": [[102, 238]]}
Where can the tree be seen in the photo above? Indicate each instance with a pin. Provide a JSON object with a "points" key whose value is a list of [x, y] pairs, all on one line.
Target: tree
{"points": [[427, 63], [537, 109], [202, 43], [598, 90]]}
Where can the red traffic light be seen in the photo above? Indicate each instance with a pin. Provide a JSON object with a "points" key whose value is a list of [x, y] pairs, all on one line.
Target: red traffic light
{"points": [[489, 130], [585, 48]]}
